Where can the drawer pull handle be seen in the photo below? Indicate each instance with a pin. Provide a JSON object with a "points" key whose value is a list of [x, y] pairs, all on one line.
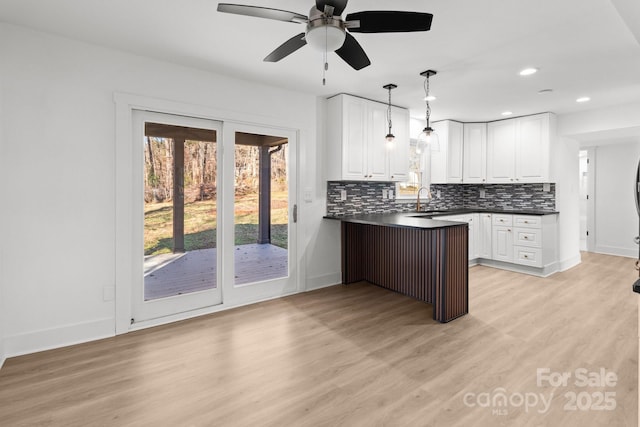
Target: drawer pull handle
{"points": [[526, 237], [526, 256]]}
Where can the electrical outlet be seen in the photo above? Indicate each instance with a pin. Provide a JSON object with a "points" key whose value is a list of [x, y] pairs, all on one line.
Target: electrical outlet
{"points": [[385, 193], [482, 193], [391, 194], [546, 187], [438, 194], [343, 195]]}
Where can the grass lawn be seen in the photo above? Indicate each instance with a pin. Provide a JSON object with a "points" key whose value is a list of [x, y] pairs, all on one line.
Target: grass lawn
{"points": [[200, 224]]}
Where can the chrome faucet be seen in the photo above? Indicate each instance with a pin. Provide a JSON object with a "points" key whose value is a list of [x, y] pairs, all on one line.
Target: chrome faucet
{"points": [[429, 197]]}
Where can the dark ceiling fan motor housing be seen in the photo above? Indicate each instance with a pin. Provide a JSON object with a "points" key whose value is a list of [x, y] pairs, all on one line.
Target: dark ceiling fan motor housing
{"points": [[327, 14]]}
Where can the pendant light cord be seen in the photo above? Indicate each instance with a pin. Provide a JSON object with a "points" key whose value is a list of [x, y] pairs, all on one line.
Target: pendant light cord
{"points": [[389, 111], [426, 98]]}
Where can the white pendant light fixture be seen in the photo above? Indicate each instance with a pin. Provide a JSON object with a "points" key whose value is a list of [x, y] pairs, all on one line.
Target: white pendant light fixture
{"points": [[428, 139], [390, 137]]}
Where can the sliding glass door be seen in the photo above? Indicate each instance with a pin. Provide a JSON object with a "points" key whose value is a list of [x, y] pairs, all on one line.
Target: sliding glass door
{"points": [[179, 198]]}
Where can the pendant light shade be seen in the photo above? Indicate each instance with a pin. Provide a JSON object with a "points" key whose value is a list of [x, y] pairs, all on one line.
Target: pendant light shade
{"points": [[428, 138], [390, 137]]}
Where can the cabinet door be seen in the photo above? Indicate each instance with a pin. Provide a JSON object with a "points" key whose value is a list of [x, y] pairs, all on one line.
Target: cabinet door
{"points": [[502, 243], [474, 235], [377, 153], [474, 164], [354, 142], [485, 236], [532, 150], [399, 154], [437, 165], [501, 151], [454, 152]]}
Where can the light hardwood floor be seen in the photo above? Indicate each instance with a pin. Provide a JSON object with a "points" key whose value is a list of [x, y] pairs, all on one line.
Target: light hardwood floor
{"points": [[354, 356]]}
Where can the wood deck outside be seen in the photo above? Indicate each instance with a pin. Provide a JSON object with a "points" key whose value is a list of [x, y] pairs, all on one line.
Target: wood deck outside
{"points": [[174, 274]]}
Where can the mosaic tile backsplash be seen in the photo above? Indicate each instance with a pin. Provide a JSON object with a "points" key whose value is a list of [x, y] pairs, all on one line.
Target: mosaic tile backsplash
{"points": [[366, 197]]}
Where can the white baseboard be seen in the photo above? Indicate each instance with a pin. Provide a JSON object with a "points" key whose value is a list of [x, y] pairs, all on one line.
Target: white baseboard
{"points": [[63, 336], [324, 281], [614, 250], [545, 271], [568, 263]]}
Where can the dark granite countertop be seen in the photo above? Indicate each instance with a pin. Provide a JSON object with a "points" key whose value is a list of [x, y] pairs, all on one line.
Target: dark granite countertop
{"points": [[484, 210], [427, 219], [404, 219]]}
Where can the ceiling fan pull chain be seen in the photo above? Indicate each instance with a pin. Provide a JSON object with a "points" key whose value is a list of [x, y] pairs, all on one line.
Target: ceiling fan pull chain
{"points": [[324, 56]]}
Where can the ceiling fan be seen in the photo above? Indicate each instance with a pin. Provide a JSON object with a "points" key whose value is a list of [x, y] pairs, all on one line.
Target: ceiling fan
{"points": [[328, 31]]}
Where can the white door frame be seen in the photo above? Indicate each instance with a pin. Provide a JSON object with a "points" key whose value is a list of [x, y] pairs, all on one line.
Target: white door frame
{"points": [[124, 242], [591, 201]]}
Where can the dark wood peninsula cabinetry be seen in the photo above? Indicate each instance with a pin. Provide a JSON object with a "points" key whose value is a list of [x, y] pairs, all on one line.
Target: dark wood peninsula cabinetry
{"points": [[422, 258]]}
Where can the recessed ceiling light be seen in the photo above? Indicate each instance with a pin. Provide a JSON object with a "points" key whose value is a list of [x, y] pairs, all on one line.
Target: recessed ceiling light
{"points": [[545, 91], [507, 113], [429, 98], [528, 71], [583, 99]]}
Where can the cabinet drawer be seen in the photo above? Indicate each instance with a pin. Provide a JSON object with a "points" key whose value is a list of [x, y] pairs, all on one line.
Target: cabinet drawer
{"points": [[527, 237], [527, 221], [500, 219], [527, 256]]}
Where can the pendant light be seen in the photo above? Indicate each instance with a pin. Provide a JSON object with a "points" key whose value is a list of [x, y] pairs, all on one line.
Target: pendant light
{"points": [[428, 139], [390, 137]]}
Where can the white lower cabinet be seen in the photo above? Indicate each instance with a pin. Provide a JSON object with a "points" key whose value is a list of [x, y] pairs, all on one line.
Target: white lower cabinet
{"points": [[526, 240], [502, 237], [473, 221], [484, 236]]}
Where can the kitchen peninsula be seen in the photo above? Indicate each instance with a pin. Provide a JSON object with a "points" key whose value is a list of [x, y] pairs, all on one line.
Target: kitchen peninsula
{"points": [[411, 254]]}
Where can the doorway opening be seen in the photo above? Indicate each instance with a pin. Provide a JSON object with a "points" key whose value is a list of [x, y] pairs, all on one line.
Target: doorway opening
{"points": [[180, 210]]}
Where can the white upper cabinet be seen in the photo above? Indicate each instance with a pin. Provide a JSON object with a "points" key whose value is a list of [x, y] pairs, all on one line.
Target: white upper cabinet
{"points": [[501, 151], [351, 127], [532, 150], [399, 152], [474, 153], [356, 145], [518, 150], [446, 164], [377, 152]]}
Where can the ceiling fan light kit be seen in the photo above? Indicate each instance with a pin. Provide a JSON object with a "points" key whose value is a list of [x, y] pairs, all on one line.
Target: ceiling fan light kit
{"points": [[328, 31], [324, 32]]}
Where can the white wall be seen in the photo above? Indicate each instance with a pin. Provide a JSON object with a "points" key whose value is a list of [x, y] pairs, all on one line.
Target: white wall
{"points": [[59, 174], [616, 219], [615, 165], [567, 202], [323, 235]]}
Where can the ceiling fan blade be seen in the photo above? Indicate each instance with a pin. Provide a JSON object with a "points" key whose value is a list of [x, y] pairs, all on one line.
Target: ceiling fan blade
{"points": [[262, 12], [338, 5], [353, 54], [286, 48], [389, 21]]}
